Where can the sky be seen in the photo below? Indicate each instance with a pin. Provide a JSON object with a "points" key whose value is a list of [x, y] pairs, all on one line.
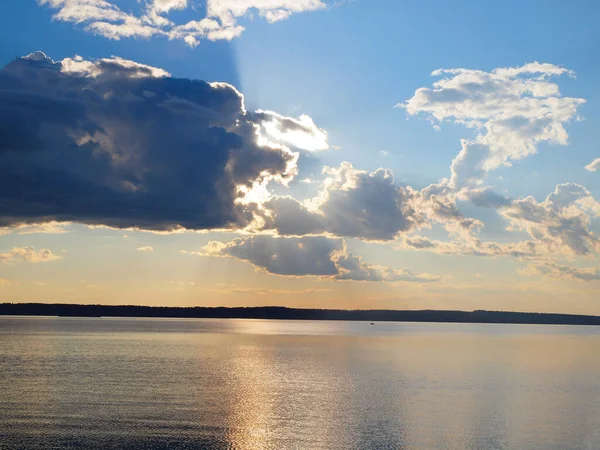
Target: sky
{"points": [[305, 153]]}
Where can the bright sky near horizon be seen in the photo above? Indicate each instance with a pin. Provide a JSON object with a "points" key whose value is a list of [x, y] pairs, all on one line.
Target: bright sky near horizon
{"points": [[309, 153]]}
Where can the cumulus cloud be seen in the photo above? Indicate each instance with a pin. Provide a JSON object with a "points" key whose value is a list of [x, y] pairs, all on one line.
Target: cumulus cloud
{"points": [[513, 110], [561, 223], [146, 248], [105, 18], [560, 271], [366, 205], [308, 256], [352, 203], [558, 225], [28, 254], [593, 166], [117, 143]]}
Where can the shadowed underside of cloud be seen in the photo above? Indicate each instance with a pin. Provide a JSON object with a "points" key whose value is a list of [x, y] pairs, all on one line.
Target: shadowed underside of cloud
{"points": [[117, 143], [105, 18], [308, 256]]}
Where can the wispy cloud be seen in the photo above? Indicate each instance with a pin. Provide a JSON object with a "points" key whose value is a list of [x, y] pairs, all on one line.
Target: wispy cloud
{"points": [[564, 272], [593, 166], [28, 254], [105, 18]]}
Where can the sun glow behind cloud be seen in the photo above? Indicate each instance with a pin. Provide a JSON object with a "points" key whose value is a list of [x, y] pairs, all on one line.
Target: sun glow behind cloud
{"points": [[253, 189]]}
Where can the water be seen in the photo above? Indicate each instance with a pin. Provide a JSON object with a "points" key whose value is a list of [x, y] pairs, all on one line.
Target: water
{"points": [[253, 384]]}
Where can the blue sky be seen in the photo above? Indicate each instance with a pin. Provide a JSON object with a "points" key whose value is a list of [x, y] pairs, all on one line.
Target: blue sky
{"points": [[346, 66]]}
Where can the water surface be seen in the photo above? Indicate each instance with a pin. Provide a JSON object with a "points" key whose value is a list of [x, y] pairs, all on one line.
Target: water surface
{"points": [[258, 384]]}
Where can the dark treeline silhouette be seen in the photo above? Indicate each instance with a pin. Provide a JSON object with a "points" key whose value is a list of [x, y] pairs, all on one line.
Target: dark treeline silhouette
{"points": [[279, 312]]}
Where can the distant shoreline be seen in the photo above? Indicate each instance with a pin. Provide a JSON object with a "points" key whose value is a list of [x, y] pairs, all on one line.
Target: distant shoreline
{"points": [[284, 313]]}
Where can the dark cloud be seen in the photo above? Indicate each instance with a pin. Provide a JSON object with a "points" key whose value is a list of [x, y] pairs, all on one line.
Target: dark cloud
{"points": [[117, 143]]}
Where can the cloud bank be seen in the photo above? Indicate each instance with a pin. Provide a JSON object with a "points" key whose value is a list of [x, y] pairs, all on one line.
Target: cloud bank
{"points": [[116, 143], [121, 144]]}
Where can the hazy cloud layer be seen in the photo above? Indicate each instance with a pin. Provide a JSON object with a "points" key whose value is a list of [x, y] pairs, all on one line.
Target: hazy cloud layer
{"points": [[564, 272], [472, 247], [117, 143], [308, 256], [105, 18]]}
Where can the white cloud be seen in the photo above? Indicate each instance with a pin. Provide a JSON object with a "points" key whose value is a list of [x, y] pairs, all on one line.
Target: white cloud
{"points": [[227, 11], [105, 18], [146, 248], [308, 256], [560, 223], [28, 254], [593, 166], [513, 109], [105, 68], [167, 5]]}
